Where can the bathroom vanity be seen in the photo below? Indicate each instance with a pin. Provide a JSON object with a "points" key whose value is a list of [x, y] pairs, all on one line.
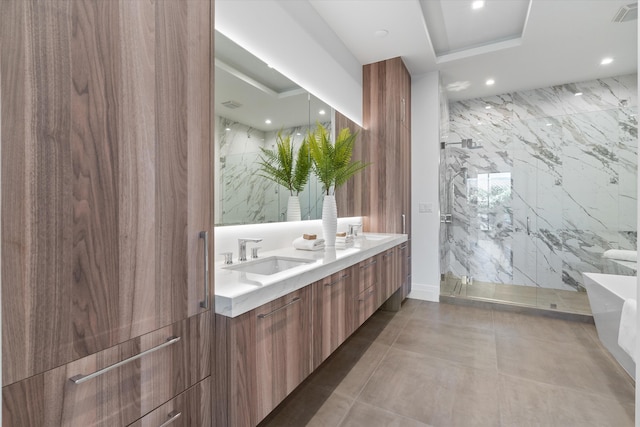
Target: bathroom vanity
{"points": [[273, 330]]}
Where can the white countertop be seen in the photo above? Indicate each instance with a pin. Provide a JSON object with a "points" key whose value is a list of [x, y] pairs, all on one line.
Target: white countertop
{"points": [[238, 292]]}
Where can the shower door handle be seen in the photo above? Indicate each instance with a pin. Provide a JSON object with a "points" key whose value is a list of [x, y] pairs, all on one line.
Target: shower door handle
{"points": [[528, 226]]}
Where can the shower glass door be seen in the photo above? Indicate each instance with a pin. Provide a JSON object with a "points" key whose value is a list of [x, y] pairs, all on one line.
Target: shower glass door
{"points": [[532, 204]]}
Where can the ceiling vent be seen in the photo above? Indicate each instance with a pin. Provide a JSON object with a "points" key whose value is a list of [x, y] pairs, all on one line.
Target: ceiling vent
{"points": [[627, 13], [232, 104]]}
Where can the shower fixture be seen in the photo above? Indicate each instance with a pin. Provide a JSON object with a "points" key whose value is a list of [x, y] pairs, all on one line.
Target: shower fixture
{"points": [[465, 143]]}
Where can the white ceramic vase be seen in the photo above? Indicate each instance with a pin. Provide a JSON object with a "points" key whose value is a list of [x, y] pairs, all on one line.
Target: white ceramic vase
{"points": [[329, 220], [293, 209]]}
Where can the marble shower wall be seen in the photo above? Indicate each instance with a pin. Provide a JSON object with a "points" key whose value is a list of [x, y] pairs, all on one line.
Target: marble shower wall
{"points": [[244, 197], [549, 185]]}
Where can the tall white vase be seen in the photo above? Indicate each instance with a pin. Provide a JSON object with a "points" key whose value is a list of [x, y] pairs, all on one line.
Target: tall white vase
{"points": [[293, 209], [329, 220]]}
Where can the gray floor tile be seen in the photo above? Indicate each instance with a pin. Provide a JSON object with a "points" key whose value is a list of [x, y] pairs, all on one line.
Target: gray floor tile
{"points": [[362, 415], [542, 328], [350, 367], [433, 391], [455, 315], [562, 364], [447, 365], [529, 403], [383, 327], [310, 405], [469, 346]]}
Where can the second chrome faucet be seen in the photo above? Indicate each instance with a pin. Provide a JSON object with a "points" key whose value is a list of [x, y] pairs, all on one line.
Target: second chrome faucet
{"points": [[242, 247]]}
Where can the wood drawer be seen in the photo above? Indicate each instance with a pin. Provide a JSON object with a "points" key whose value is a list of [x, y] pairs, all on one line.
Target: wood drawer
{"points": [[189, 409], [121, 395]]}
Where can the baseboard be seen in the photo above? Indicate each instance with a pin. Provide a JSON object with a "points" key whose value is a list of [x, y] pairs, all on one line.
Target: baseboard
{"points": [[425, 292]]}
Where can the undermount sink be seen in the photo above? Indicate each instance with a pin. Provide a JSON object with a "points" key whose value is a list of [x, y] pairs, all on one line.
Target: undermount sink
{"points": [[269, 265], [375, 236]]}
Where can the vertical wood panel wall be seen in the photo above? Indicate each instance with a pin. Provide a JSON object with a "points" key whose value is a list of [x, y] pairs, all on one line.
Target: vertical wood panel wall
{"points": [[382, 192]]}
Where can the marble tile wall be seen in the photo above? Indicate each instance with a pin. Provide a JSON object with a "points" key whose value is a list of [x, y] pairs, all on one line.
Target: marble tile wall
{"points": [[549, 184], [244, 197]]}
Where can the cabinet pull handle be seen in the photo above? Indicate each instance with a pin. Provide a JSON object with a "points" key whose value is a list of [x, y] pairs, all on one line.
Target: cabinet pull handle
{"points": [[205, 236], [79, 379], [403, 247], [337, 281], [404, 224], [368, 265], [173, 415], [388, 254], [371, 292], [403, 111], [293, 301]]}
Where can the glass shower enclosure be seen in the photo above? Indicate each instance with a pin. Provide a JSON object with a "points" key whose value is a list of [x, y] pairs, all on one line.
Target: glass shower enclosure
{"points": [[531, 200]]}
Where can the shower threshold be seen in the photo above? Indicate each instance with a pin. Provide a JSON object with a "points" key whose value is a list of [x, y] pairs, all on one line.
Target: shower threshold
{"points": [[557, 300]]}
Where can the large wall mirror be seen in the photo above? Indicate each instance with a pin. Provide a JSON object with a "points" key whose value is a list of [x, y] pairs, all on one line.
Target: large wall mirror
{"points": [[253, 102]]}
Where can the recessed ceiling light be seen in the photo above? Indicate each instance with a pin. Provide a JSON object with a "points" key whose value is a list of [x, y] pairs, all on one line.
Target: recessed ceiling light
{"points": [[549, 124], [478, 4], [227, 129], [268, 121], [577, 94], [321, 112], [488, 107], [479, 123], [606, 61], [298, 134], [381, 33], [490, 82]]}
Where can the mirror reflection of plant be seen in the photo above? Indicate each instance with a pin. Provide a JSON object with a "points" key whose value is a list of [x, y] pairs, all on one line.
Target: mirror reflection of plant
{"points": [[332, 162], [279, 166]]}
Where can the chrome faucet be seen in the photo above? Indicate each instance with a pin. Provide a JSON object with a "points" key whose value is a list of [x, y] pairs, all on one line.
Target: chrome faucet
{"points": [[353, 229], [242, 247]]}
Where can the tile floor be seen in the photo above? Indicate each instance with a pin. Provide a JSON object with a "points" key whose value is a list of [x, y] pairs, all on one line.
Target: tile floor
{"points": [[436, 364]]}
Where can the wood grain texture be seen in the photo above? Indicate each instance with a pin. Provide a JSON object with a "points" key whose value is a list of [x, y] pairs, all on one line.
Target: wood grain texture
{"points": [[364, 297], [331, 306], [387, 119], [122, 395], [106, 173], [235, 392], [193, 407], [283, 348]]}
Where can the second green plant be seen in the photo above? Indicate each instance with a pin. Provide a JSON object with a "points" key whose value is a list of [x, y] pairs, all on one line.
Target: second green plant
{"points": [[284, 167], [332, 161]]}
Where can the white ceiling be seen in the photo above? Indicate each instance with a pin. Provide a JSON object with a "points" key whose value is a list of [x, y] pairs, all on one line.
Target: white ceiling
{"points": [[521, 44], [563, 40]]}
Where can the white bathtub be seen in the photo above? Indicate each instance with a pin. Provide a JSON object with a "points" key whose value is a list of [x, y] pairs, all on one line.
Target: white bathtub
{"points": [[607, 293]]}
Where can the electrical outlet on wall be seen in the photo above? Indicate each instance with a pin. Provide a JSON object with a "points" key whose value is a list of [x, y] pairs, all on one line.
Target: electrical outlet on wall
{"points": [[425, 207]]}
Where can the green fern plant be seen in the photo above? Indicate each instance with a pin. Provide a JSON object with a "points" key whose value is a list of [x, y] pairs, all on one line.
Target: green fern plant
{"points": [[332, 162], [279, 166]]}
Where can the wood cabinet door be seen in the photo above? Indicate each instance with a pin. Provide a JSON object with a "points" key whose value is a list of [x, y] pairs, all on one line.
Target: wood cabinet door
{"points": [[389, 275], [405, 152], [404, 274], [331, 305], [364, 292], [387, 120], [189, 409], [283, 348], [106, 173]]}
